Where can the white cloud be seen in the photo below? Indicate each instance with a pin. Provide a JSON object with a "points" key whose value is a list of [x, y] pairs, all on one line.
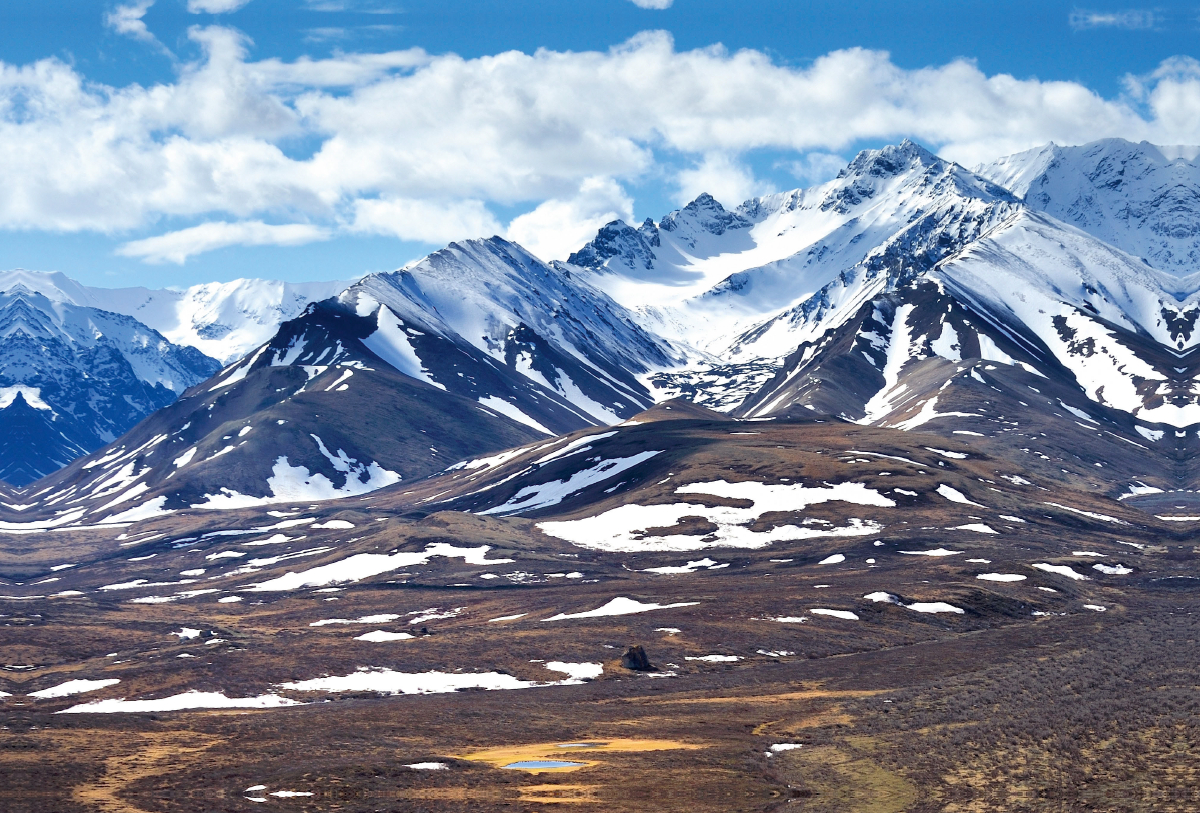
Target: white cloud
{"points": [[177, 246], [816, 167], [1130, 19], [653, 4], [420, 146], [215, 6], [127, 20], [560, 226], [424, 221], [721, 176]]}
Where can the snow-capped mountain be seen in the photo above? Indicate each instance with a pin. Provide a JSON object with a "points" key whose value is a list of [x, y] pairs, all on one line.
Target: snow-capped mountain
{"points": [[224, 320], [907, 274], [1143, 199], [74, 378], [476, 348], [746, 284], [488, 320], [313, 414], [908, 292]]}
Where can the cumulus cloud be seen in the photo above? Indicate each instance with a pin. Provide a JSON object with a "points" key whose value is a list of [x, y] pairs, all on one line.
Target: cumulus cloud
{"points": [[816, 167], [424, 221], [721, 176], [653, 4], [177, 246], [127, 20], [1130, 19], [560, 226], [215, 6], [428, 147]]}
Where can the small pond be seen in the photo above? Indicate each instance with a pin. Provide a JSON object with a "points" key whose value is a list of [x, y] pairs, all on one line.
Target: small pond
{"points": [[542, 765]]}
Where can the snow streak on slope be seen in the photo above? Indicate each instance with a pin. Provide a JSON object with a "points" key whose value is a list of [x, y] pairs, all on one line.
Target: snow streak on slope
{"points": [[486, 319]]}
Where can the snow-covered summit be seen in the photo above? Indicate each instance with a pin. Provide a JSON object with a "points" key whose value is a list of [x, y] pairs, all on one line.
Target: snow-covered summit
{"points": [[1141, 198], [224, 320], [73, 377]]}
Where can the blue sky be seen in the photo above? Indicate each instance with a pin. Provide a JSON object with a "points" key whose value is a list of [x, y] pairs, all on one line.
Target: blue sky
{"points": [[152, 143]]}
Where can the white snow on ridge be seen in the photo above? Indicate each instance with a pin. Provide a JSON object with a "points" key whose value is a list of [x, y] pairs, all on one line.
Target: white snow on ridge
{"points": [[497, 404], [32, 396], [545, 495]]}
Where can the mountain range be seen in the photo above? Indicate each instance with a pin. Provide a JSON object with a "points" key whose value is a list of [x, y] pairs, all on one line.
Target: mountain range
{"points": [[1042, 306]]}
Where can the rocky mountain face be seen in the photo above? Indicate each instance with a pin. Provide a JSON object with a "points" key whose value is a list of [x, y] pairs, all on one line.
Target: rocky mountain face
{"points": [[224, 320], [74, 378], [1143, 199]]}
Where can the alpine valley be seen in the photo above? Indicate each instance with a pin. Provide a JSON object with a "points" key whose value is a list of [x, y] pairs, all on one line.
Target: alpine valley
{"points": [[801, 504]]}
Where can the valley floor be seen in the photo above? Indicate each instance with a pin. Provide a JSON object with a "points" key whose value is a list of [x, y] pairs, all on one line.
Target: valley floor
{"points": [[1075, 712]]}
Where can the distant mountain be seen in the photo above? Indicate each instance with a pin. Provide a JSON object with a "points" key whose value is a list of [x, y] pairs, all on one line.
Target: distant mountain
{"points": [[225, 320], [1143, 199], [74, 378]]}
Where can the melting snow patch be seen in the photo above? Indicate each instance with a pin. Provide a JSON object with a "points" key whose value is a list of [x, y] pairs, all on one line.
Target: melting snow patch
{"points": [[934, 607], [1153, 435], [508, 410], [954, 495], [1138, 489], [73, 687], [1099, 608], [934, 552], [621, 606], [334, 524], [147, 510], [1061, 570], [1090, 514], [624, 529], [382, 618], [289, 483], [1113, 570], [690, 567], [365, 565], [537, 497], [714, 658], [843, 614], [1001, 577], [387, 681], [977, 527], [182, 702], [785, 746], [428, 766], [381, 637], [947, 453], [835, 559], [508, 617]]}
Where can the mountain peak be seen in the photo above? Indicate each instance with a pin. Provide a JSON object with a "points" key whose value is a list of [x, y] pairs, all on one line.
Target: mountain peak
{"points": [[892, 160], [704, 214]]}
